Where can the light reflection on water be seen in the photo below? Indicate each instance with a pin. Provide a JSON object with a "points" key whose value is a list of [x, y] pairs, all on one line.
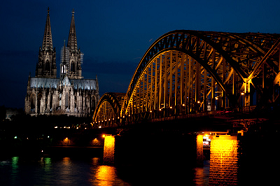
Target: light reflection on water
{"points": [[90, 171], [53, 171], [201, 174], [105, 175]]}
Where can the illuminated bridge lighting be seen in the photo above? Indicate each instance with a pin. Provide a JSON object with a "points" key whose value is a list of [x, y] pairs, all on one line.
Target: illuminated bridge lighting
{"points": [[109, 149], [223, 160], [198, 71]]}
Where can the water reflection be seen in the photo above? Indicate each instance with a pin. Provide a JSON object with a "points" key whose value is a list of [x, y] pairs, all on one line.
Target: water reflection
{"points": [[95, 161], [105, 175], [201, 174], [14, 168], [65, 172], [45, 169], [82, 171]]}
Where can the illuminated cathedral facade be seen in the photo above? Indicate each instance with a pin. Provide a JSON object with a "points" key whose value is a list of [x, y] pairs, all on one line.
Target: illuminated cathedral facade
{"points": [[70, 94]]}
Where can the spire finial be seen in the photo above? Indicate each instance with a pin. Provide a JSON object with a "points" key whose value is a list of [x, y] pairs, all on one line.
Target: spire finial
{"points": [[72, 40], [47, 40]]}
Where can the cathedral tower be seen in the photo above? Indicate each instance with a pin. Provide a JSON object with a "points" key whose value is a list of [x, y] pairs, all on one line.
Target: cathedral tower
{"points": [[71, 56], [70, 94], [46, 66]]}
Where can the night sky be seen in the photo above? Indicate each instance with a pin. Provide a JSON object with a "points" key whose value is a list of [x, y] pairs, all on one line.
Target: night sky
{"points": [[112, 34]]}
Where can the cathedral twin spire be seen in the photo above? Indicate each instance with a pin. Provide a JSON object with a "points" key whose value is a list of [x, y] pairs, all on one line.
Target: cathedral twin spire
{"points": [[72, 39], [46, 66], [47, 40]]}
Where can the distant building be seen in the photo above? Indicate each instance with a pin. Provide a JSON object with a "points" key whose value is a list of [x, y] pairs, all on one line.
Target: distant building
{"points": [[68, 95]]}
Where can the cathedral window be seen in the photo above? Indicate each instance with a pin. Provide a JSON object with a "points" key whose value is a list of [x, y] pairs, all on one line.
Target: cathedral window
{"points": [[66, 99], [47, 65], [73, 67], [60, 100], [63, 70]]}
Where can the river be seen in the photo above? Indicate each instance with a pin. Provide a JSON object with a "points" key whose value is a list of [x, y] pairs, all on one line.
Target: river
{"points": [[90, 171], [250, 161]]}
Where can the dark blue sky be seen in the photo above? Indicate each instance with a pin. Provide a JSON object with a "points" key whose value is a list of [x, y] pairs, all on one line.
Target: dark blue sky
{"points": [[113, 34]]}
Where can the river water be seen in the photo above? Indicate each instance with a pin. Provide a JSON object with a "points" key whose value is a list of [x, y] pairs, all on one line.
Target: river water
{"points": [[90, 171], [230, 161]]}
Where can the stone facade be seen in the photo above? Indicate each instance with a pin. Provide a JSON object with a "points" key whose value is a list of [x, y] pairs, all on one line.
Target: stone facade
{"points": [[68, 95]]}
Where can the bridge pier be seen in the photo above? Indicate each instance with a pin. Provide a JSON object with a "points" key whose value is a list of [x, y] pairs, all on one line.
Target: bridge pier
{"points": [[224, 160], [160, 147], [199, 149], [109, 149]]}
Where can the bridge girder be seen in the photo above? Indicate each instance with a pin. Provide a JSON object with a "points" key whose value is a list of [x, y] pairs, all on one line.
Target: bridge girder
{"points": [[194, 70], [108, 108], [240, 51]]}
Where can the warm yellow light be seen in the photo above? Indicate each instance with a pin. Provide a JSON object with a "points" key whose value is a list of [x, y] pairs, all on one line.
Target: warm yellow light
{"points": [[66, 141], [216, 98], [95, 141], [241, 132], [223, 160], [109, 149], [159, 109], [198, 101], [170, 107], [103, 136], [199, 148], [183, 105], [242, 93], [151, 111], [106, 175]]}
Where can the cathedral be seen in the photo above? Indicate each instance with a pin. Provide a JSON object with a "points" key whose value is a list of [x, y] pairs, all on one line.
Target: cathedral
{"points": [[70, 94]]}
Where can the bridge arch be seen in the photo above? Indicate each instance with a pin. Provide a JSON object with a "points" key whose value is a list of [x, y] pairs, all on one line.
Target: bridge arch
{"points": [[187, 71], [108, 109], [229, 58], [174, 79]]}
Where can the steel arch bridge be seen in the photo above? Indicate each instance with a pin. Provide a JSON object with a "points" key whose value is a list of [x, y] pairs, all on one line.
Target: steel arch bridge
{"points": [[185, 72]]}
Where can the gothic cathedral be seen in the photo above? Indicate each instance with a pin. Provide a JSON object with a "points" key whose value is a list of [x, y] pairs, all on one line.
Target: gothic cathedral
{"points": [[68, 95]]}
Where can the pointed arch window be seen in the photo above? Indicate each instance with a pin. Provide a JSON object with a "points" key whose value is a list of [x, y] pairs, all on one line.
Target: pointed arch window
{"points": [[63, 69], [47, 65], [73, 67]]}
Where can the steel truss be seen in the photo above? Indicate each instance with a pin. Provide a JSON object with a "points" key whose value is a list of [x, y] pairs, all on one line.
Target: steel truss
{"points": [[186, 72], [108, 109]]}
